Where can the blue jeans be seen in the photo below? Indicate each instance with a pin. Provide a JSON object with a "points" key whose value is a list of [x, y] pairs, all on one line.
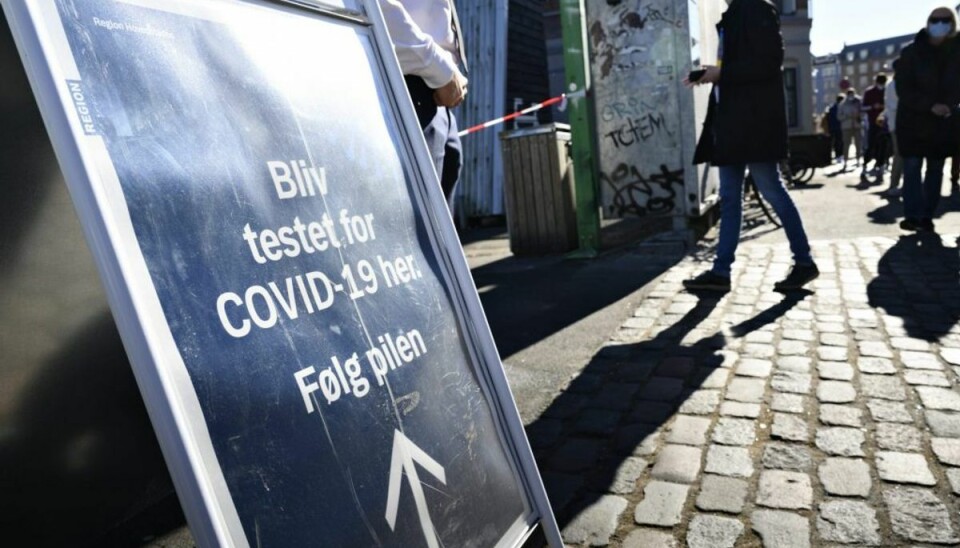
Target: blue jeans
{"points": [[767, 177], [921, 193]]}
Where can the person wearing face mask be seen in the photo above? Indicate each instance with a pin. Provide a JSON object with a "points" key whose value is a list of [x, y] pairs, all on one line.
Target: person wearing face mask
{"points": [[746, 128], [928, 117], [873, 104], [851, 122]]}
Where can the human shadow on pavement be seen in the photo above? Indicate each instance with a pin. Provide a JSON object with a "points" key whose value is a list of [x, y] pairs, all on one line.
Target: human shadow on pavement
{"points": [[889, 213], [919, 281], [593, 438], [770, 315]]}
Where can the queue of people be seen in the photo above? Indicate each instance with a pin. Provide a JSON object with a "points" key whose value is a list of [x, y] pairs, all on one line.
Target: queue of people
{"points": [[908, 123]]}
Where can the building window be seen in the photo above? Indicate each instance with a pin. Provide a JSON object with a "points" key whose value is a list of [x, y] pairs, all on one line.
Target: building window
{"points": [[891, 49], [877, 66], [851, 56], [788, 7], [793, 98], [864, 68], [864, 53]]}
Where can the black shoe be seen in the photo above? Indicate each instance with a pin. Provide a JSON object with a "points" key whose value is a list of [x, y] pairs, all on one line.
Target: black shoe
{"points": [[801, 275], [910, 225], [708, 281], [926, 225]]}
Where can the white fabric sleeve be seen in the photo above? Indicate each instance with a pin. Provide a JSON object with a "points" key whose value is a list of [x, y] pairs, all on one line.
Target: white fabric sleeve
{"points": [[418, 53]]}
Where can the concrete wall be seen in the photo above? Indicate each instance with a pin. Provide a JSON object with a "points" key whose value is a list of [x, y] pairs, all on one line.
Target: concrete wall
{"points": [[647, 122], [796, 39]]}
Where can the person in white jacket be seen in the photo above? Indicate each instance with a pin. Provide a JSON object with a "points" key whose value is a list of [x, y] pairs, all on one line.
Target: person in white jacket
{"points": [[850, 113], [427, 39], [891, 100]]}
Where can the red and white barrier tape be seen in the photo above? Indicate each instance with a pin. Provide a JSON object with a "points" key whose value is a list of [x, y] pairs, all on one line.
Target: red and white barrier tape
{"points": [[529, 110]]}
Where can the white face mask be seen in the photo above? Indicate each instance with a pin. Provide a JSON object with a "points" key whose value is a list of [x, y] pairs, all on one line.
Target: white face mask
{"points": [[939, 30]]}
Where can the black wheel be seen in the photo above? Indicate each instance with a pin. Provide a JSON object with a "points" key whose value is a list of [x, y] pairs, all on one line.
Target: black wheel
{"points": [[801, 172]]}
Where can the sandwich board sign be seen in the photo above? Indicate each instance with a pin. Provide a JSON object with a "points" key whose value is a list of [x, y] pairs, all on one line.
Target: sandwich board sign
{"points": [[283, 270]]}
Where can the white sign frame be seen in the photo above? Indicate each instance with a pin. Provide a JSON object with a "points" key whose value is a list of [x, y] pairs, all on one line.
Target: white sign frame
{"points": [[161, 374]]}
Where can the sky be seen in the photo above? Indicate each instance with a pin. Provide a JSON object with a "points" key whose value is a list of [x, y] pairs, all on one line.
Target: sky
{"points": [[855, 21]]}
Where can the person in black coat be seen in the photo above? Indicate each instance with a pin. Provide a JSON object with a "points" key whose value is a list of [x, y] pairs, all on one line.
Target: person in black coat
{"points": [[746, 128], [928, 118]]}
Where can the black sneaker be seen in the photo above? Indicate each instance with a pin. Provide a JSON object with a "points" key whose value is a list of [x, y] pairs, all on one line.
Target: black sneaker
{"points": [[801, 275], [910, 225], [708, 281]]}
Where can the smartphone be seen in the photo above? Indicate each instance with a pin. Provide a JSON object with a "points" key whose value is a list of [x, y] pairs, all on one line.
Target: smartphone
{"points": [[696, 75]]}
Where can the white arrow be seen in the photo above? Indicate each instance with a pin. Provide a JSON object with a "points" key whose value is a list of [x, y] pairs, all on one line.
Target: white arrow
{"points": [[405, 457]]}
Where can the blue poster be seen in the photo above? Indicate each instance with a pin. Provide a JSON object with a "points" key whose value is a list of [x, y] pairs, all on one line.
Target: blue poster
{"points": [[279, 217]]}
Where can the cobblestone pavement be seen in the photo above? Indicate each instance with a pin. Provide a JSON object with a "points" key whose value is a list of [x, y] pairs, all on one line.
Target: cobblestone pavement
{"points": [[756, 419]]}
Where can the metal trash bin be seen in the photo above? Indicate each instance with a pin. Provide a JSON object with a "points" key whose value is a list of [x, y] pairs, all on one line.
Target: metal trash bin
{"points": [[539, 190]]}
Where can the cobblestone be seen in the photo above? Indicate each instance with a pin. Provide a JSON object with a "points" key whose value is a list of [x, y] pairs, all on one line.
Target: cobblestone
{"points": [[943, 424], [789, 427], [787, 456], [722, 494], [835, 371], [888, 411], [875, 350], [677, 463], [595, 525], [882, 387], [742, 410], [781, 529], [662, 504], [919, 516], [939, 398], [841, 415], [687, 430], [729, 461], [576, 455], [701, 402], [734, 432], [794, 364], [662, 389], [899, 437], [876, 366], [794, 383], [947, 450], [920, 360], [927, 378], [841, 441], [746, 390], [625, 479], [739, 429], [786, 490], [848, 522], [713, 532], [649, 538], [899, 467], [845, 477], [788, 403]]}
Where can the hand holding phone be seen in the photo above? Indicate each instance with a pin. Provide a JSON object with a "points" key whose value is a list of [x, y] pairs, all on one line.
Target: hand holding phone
{"points": [[696, 75]]}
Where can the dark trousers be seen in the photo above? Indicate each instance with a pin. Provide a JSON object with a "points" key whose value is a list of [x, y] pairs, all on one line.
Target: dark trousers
{"points": [[922, 191], [439, 127], [836, 137]]}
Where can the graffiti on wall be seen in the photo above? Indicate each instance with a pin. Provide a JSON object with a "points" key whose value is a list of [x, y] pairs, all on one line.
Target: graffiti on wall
{"points": [[612, 38], [634, 49], [639, 194]]}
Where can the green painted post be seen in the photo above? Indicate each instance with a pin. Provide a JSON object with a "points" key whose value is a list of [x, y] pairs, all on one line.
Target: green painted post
{"points": [[582, 126]]}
